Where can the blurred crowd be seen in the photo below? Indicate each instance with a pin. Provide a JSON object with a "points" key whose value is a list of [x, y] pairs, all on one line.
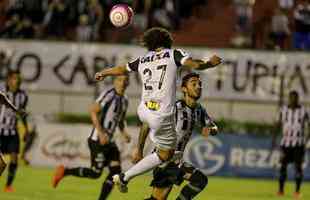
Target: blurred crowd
{"points": [[286, 27], [84, 20]]}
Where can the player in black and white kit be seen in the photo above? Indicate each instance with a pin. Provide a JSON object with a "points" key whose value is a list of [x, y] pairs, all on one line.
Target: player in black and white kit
{"points": [[292, 120], [4, 100], [158, 71], [107, 113], [190, 116], [9, 138]]}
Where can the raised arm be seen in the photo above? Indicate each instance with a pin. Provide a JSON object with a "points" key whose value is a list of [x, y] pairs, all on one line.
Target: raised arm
{"points": [[202, 65], [114, 71]]}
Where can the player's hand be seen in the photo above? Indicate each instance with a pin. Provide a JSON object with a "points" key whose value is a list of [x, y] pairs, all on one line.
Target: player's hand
{"points": [[137, 155], [215, 60], [103, 138], [209, 131], [126, 137], [99, 76]]}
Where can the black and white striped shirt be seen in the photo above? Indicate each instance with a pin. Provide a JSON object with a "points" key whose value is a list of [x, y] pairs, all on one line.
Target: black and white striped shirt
{"points": [[113, 111], [8, 118], [293, 123], [189, 120]]}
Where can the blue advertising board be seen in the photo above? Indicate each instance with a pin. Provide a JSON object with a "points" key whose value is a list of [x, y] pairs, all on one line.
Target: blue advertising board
{"points": [[238, 155]]}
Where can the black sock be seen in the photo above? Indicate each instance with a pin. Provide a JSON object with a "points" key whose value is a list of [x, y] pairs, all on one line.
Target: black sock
{"points": [[298, 184], [83, 172], [197, 183], [106, 189], [11, 174], [282, 178], [108, 184], [188, 192]]}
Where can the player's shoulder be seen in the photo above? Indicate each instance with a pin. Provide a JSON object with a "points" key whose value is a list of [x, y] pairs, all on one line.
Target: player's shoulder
{"points": [[107, 90]]}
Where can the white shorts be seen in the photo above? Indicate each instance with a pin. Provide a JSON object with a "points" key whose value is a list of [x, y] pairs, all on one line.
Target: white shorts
{"points": [[162, 127]]}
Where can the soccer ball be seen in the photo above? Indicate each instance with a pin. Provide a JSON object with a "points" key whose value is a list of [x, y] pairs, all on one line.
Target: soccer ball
{"points": [[121, 15]]}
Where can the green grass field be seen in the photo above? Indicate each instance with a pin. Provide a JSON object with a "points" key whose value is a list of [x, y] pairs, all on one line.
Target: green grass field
{"points": [[34, 184]]}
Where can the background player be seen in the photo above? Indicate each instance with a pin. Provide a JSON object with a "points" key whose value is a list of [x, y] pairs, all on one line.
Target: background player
{"points": [[190, 116], [157, 69], [111, 105], [292, 120], [9, 137], [6, 102]]}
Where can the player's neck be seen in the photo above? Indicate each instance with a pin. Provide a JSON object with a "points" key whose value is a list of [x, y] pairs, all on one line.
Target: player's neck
{"points": [[190, 102], [119, 92]]}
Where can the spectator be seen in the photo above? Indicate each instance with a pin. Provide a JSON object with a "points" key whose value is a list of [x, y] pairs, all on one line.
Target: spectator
{"points": [[26, 30], [244, 12], [279, 29], [286, 4], [84, 31], [55, 19], [302, 25], [9, 30]]}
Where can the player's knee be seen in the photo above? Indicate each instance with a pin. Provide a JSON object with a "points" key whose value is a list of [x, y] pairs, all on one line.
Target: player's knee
{"points": [[114, 170], [165, 155], [198, 179]]}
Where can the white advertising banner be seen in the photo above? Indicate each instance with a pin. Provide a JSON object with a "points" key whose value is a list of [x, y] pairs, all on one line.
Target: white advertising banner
{"points": [[67, 144], [244, 74]]}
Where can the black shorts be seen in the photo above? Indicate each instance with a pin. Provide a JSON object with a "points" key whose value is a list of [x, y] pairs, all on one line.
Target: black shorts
{"points": [[9, 144], [170, 174], [102, 155], [292, 154]]}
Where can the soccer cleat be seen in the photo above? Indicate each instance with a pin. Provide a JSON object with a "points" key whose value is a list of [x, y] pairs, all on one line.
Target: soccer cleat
{"points": [[9, 189], [59, 174], [297, 195], [280, 194], [121, 184]]}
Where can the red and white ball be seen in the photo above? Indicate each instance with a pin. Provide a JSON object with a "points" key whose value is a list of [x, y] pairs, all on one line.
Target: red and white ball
{"points": [[121, 15]]}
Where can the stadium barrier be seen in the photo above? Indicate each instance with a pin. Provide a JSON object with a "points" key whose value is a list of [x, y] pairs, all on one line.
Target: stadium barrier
{"points": [[222, 155], [239, 156]]}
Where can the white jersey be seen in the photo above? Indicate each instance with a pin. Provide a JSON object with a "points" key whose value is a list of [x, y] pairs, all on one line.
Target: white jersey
{"points": [[158, 72]]}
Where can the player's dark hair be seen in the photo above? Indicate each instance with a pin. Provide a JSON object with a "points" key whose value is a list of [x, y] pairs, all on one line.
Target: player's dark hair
{"points": [[155, 38], [186, 78], [293, 92], [12, 72]]}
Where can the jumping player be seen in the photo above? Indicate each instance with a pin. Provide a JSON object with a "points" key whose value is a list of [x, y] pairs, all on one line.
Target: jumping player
{"points": [[107, 113], [158, 71]]}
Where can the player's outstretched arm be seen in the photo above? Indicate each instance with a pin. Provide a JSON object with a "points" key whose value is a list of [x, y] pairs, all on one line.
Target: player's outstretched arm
{"points": [[138, 151], [113, 71], [202, 65]]}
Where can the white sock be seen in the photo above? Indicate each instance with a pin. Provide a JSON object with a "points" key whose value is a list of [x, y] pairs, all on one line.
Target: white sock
{"points": [[147, 163]]}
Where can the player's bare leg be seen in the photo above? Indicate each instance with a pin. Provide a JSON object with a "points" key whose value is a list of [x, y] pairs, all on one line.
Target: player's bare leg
{"points": [[160, 193], [146, 164], [11, 172], [2, 164]]}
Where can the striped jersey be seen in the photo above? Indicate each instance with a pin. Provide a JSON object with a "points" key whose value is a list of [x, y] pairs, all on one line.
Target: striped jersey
{"points": [[158, 72], [8, 118], [189, 120], [293, 123], [113, 111]]}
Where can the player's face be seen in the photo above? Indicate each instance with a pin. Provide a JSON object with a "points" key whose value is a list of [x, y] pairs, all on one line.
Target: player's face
{"points": [[121, 83], [14, 82], [193, 88]]}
